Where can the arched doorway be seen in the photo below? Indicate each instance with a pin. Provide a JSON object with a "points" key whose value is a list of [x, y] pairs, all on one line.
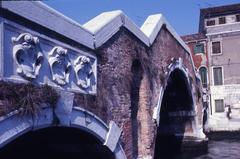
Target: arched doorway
{"points": [[56, 142], [175, 115]]}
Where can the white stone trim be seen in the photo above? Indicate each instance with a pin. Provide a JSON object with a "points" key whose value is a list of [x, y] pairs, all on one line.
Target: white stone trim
{"points": [[157, 109], [132, 27], [44, 15], [13, 125], [95, 32], [113, 136], [153, 25], [224, 32], [105, 25]]}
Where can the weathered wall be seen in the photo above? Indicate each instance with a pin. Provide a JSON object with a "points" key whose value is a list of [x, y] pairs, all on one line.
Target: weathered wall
{"points": [[117, 79], [229, 91], [200, 59]]}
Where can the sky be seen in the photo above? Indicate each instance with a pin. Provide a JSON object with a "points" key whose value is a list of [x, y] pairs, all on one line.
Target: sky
{"points": [[183, 15]]}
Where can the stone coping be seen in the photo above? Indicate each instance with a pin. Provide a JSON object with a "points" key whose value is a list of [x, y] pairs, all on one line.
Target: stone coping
{"points": [[95, 32]]}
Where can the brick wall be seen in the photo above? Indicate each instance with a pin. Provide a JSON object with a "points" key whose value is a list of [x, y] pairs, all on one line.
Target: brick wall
{"points": [[129, 78]]}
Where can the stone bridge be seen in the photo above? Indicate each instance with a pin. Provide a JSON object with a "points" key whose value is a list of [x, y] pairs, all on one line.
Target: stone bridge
{"points": [[106, 88]]}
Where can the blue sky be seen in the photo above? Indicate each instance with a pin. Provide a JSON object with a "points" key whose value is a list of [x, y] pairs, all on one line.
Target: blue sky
{"points": [[183, 15]]}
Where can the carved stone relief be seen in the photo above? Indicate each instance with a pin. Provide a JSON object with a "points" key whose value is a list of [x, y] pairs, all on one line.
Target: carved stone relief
{"points": [[60, 65], [84, 72], [27, 55]]}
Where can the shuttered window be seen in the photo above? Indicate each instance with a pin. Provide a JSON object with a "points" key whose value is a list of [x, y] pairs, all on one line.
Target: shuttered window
{"points": [[219, 105], [217, 75], [216, 47], [199, 48], [210, 22], [238, 18], [203, 74], [222, 20]]}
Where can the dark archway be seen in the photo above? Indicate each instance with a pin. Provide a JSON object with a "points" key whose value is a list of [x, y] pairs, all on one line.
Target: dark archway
{"points": [[137, 75], [175, 114], [56, 142]]}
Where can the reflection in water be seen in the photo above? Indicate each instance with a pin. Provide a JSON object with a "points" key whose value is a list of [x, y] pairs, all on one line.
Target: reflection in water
{"points": [[222, 149]]}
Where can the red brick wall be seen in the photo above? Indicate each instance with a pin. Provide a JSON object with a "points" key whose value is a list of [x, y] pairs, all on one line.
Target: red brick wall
{"points": [[115, 100]]}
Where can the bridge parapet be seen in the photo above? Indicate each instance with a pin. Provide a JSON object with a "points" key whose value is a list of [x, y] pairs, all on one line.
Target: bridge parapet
{"points": [[28, 56]]}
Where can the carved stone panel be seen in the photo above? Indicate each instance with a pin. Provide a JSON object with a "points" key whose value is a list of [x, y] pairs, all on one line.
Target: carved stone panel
{"points": [[27, 55], [32, 57], [60, 65], [84, 72]]}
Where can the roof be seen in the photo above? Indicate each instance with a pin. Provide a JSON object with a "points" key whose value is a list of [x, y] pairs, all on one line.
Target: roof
{"points": [[217, 11], [221, 9], [97, 31], [193, 37]]}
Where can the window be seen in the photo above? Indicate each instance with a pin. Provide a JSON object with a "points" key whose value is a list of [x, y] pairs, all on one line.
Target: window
{"points": [[216, 47], [219, 106], [222, 20], [203, 74], [199, 48], [217, 75], [210, 22], [238, 18]]}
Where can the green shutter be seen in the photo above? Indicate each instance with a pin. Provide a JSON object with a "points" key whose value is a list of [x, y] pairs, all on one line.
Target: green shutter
{"points": [[198, 48]]}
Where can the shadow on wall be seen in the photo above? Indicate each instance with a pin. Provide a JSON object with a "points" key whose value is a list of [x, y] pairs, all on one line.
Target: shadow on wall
{"points": [[174, 116], [56, 142], [137, 72]]}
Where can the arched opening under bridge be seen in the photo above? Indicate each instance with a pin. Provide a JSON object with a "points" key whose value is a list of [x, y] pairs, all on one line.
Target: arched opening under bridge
{"points": [[56, 142], [175, 115]]}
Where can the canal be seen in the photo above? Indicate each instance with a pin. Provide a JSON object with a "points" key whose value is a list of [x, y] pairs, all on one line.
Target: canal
{"points": [[222, 149], [220, 146], [217, 149]]}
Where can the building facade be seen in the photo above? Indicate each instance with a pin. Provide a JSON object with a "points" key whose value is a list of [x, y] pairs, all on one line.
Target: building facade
{"points": [[221, 27], [199, 50]]}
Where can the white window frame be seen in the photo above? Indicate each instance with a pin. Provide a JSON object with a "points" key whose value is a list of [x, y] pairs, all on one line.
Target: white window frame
{"points": [[206, 72], [214, 77], [211, 48]]}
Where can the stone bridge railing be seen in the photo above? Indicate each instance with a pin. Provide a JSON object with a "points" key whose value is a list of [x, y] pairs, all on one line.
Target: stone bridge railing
{"points": [[30, 56]]}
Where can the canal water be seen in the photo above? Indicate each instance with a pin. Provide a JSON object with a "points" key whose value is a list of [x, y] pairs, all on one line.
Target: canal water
{"points": [[222, 149], [217, 149], [221, 145]]}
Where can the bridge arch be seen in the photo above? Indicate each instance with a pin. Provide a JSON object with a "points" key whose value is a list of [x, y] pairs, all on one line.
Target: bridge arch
{"points": [[14, 126], [176, 112]]}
